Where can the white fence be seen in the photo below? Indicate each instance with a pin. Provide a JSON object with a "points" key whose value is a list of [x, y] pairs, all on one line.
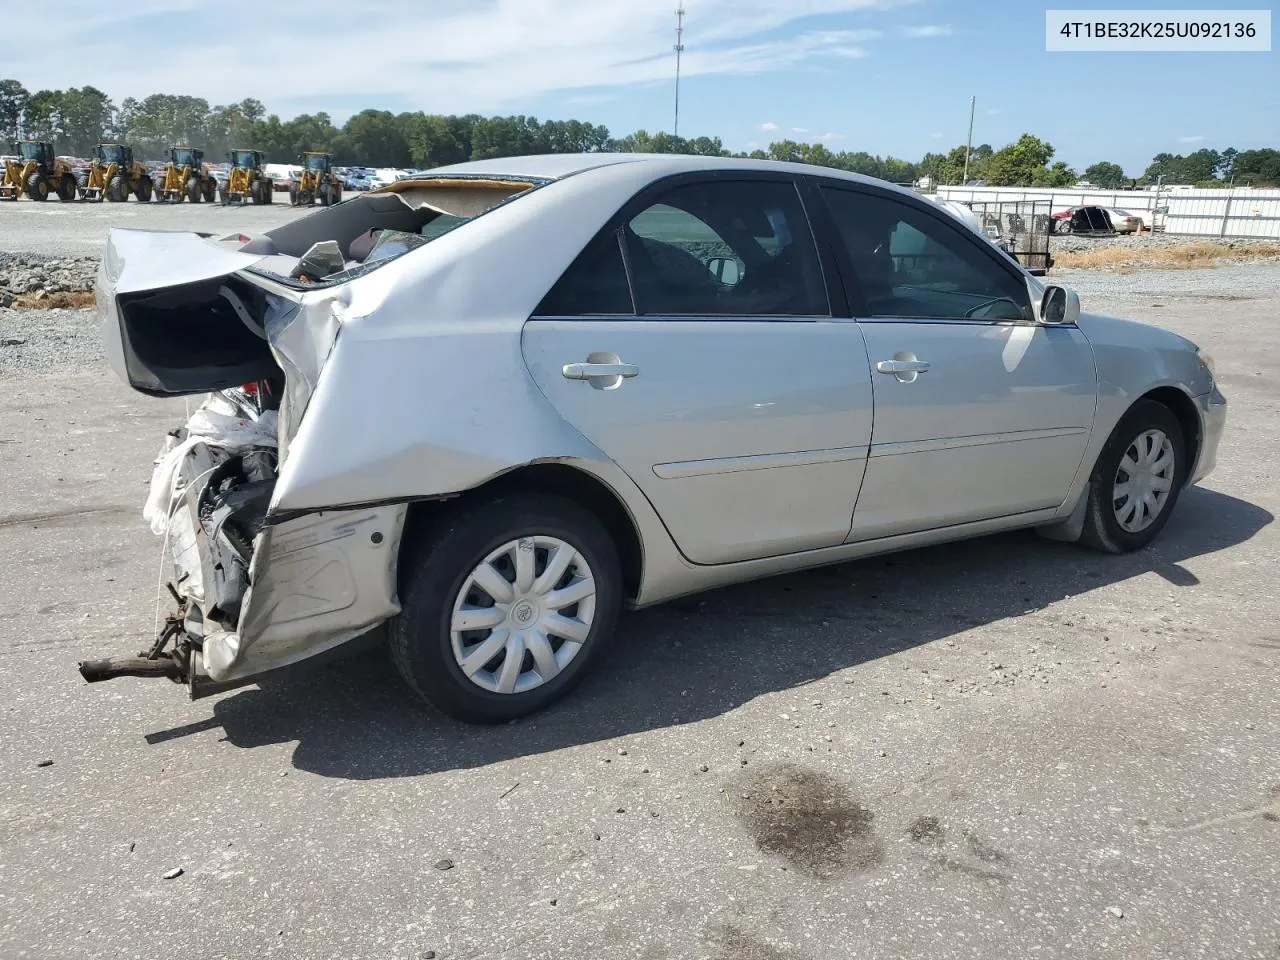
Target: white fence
{"points": [[1199, 213]]}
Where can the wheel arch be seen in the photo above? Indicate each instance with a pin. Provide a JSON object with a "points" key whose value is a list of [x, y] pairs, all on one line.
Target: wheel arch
{"points": [[558, 477], [1179, 402]]}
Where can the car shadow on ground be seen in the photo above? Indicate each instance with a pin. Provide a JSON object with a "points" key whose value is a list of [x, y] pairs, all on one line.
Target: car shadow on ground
{"points": [[703, 656]]}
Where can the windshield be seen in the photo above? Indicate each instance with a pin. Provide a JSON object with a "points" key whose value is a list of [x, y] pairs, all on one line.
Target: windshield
{"points": [[183, 158], [110, 153], [243, 158], [316, 162], [29, 151]]}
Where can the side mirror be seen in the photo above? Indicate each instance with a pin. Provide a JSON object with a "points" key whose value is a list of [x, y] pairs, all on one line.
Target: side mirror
{"points": [[726, 270], [1059, 305]]}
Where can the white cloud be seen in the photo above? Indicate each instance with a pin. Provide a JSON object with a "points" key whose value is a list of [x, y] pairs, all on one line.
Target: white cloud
{"points": [[454, 58], [929, 30], [769, 127], [1190, 139], [828, 137], [935, 136], [799, 129], [994, 113]]}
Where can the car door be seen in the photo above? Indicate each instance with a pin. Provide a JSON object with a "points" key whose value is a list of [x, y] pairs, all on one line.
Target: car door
{"points": [[693, 343], [980, 412]]}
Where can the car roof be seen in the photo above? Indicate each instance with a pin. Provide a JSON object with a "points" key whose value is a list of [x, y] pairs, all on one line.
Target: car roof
{"points": [[556, 166]]}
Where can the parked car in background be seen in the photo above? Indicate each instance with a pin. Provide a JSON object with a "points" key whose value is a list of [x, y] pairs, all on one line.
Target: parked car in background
{"points": [[696, 371], [1095, 221]]}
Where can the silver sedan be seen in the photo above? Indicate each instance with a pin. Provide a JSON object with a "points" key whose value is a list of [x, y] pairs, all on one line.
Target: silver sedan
{"points": [[479, 412]]}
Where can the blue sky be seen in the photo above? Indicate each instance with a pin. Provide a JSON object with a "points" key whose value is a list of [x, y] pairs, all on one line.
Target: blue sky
{"points": [[886, 76]]}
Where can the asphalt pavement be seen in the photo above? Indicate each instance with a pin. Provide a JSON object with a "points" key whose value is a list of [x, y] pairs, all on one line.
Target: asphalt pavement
{"points": [[1001, 748]]}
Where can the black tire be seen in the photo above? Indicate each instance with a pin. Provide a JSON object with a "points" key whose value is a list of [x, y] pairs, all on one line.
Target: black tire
{"points": [[326, 194], [194, 194], [293, 194], [82, 183], [145, 187], [209, 190], [222, 194], [117, 192], [434, 569], [1102, 530], [67, 188], [1063, 228], [37, 187]]}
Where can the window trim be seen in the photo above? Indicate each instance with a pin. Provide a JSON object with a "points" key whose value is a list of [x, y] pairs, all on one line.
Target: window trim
{"points": [[651, 193], [857, 305]]}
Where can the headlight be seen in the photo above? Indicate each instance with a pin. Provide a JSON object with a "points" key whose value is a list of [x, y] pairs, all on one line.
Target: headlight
{"points": [[1207, 362]]}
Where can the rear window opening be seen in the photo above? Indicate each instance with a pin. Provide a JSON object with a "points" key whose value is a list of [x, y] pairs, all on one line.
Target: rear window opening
{"points": [[346, 241]]}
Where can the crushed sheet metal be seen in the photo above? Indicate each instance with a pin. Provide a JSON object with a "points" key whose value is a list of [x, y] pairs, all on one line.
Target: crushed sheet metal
{"points": [[315, 582]]}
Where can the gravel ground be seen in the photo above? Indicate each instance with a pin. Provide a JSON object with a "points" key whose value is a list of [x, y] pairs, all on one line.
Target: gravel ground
{"points": [[1147, 241], [1000, 748], [80, 229]]}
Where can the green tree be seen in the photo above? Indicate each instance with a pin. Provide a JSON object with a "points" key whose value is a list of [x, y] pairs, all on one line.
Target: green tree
{"points": [[13, 102], [41, 116], [1258, 167], [1109, 176], [87, 117], [373, 138], [1022, 164]]}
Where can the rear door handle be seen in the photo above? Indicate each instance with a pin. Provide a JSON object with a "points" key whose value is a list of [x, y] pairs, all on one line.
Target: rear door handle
{"points": [[902, 366], [592, 371]]}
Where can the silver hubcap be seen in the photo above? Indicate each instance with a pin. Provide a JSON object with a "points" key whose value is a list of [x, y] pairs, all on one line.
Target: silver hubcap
{"points": [[1143, 481], [523, 614]]}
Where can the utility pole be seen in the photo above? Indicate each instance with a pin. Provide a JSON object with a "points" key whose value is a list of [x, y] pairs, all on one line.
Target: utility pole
{"points": [[679, 49], [968, 144]]}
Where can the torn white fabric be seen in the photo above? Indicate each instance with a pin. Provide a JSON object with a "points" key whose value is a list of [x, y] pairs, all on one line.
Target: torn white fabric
{"points": [[216, 424]]}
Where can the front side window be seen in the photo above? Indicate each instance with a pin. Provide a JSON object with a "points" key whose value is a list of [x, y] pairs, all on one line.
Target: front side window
{"points": [[907, 262], [725, 248]]}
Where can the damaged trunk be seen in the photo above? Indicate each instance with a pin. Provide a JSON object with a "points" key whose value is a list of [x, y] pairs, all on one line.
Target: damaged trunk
{"points": [[250, 322]]}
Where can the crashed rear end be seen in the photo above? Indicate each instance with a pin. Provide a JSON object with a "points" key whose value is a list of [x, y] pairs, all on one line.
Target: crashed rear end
{"points": [[248, 324]]}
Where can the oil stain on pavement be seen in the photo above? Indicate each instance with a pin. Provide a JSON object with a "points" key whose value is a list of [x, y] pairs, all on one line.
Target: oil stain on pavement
{"points": [[807, 818]]}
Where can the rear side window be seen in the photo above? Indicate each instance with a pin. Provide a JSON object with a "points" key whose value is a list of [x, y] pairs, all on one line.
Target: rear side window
{"points": [[911, 263], [725, 248], [595, 284]]}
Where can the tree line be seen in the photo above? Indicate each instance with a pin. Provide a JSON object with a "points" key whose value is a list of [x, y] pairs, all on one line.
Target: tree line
{"points": [[77, 118]]}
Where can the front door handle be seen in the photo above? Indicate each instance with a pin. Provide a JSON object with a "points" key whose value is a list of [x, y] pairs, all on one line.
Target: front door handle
{"points": [[902, 366], [599, 371]]}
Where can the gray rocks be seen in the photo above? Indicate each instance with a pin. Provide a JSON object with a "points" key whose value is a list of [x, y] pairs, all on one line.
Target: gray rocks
{"points": [[29, 273]]}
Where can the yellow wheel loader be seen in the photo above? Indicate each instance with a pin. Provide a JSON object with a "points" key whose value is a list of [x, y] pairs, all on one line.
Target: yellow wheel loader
{"points": [[185, 178], [245, 179], [113, 175], [317, 182], [37, 173]]}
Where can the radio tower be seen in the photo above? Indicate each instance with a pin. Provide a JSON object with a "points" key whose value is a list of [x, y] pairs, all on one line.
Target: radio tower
{"points": [[679, 48]]}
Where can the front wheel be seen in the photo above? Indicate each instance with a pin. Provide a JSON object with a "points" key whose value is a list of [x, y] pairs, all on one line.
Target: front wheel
{"points": [[37, 187], [1136, 481], [503, 606]]}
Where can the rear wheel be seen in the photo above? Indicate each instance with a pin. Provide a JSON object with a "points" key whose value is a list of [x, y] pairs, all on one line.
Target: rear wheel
{"points": [[1136, 481], [67, 188], [37, 187], [1063, 227], [82, 183], [143, 192], [193, 190], [209, 190], [116, 190], [504, 605], [326, 194], [222, 193], [293, 194]]}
